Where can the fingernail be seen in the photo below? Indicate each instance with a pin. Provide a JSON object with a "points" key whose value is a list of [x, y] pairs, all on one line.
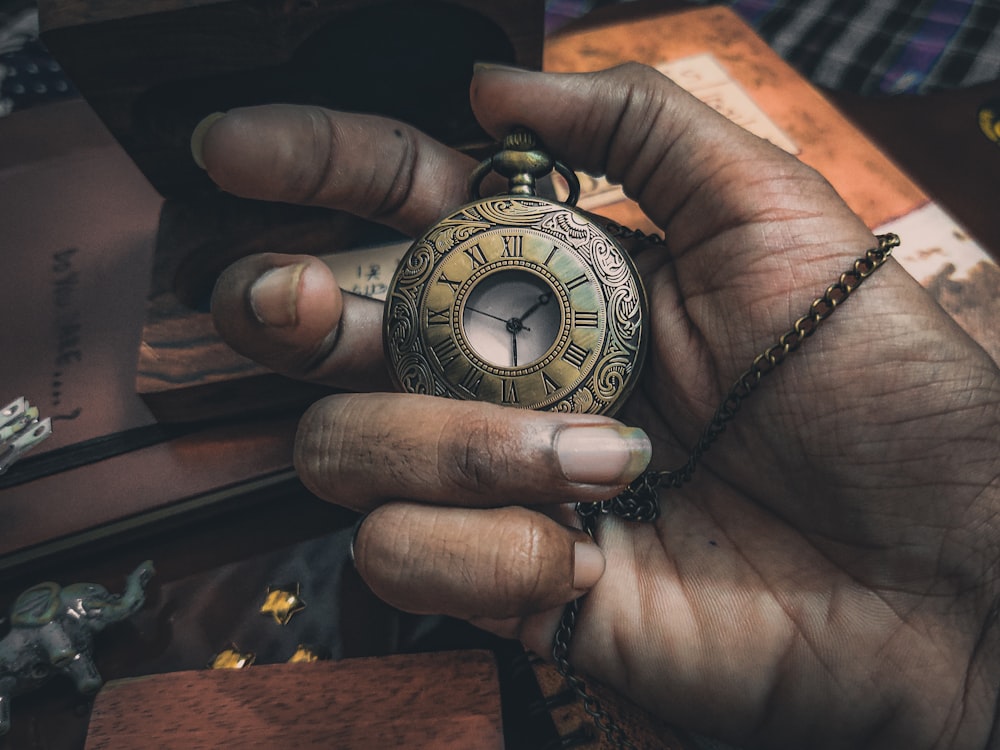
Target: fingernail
{"points": [[274, 296], [604, 454], [588, 565], [483, 67], [198, 137]]}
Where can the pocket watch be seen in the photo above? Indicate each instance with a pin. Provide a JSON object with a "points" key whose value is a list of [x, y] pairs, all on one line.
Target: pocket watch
{"points": [[517, 299]]}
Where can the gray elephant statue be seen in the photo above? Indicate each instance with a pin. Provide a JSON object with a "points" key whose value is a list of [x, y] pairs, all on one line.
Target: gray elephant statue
{"points": [[52, 629]]}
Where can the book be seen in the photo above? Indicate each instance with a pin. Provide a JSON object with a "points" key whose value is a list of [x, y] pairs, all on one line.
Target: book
{"points": [[79, 223]]}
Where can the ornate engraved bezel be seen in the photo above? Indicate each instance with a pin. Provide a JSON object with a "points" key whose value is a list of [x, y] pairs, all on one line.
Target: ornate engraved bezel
{"points": [[594, 362]]}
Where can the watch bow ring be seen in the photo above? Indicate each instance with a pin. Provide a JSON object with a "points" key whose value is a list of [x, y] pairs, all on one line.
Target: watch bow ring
{"points": [[518, 300]]}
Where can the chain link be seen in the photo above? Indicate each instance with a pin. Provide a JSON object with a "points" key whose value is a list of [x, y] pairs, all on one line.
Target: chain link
{"points": [[640, 502]]}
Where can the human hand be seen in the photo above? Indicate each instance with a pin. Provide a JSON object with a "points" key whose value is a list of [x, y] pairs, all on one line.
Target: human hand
{"points": [[829, 578]]}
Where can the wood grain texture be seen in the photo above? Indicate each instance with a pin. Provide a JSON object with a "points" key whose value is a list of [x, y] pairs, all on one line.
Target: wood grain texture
{"points": [[440, 700], [573, 723]]}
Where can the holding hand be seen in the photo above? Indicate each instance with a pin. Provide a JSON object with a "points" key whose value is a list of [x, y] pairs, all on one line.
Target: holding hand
{"points": [[829, 578]]}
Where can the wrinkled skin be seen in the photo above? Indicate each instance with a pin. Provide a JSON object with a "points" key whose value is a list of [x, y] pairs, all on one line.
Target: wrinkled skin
{"points": [[828, 580]]}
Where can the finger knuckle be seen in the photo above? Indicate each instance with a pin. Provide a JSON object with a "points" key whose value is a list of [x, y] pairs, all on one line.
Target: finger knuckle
{"points": [[528, 564], [387, 199], [643, 130], [525, 559], [326, 453], [316, 171], [307, 359], [475, 455]]}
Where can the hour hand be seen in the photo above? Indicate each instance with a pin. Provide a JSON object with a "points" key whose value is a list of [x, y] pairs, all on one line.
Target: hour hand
{"points": [[543, 299]]}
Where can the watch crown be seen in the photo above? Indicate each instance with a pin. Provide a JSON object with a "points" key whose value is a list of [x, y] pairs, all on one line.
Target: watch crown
{"points": [[520, 139], [522, 161]]}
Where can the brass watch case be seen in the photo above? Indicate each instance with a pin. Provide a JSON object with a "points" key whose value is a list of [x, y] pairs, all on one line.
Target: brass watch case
{"points": [[600, 343]]}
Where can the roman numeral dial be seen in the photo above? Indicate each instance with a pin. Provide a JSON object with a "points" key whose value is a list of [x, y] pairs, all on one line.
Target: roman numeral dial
{"points": [[518, 301]]}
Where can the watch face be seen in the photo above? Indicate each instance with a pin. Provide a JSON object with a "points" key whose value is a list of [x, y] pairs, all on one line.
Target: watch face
{"points": [[512, 317], [519, 301]]}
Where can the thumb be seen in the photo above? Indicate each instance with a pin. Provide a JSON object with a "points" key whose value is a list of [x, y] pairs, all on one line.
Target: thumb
{"points": [[751, 231], [690, 169]]}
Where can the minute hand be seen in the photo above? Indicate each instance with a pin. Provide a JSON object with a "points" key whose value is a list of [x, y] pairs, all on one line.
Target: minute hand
{"points": [[490, 315]]}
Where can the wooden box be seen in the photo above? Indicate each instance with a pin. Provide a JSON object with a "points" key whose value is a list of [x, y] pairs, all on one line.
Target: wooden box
{"points": [[152, 69]]}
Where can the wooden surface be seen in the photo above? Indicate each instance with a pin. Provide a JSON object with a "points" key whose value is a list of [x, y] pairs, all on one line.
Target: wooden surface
{"points": [[441, 701], [224, 465], [573, 723]]}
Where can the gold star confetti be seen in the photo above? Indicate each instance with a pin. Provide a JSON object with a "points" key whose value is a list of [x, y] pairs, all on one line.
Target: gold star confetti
{"points": [[232, 658], [282, 602], [306, 654]]}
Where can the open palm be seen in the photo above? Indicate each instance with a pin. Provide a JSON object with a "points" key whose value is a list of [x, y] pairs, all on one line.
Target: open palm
{"points": [[828, 578]]}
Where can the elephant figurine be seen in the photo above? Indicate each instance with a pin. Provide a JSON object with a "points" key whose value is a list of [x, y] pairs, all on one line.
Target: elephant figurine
{"points": [[52, 629]]}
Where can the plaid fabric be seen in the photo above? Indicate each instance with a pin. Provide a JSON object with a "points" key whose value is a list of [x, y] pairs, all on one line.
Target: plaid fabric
{"points": [[867, 46]]}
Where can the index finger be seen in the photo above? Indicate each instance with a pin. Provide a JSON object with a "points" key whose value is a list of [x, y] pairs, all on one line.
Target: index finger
{"points": [[372, 167], [361, 450]]}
